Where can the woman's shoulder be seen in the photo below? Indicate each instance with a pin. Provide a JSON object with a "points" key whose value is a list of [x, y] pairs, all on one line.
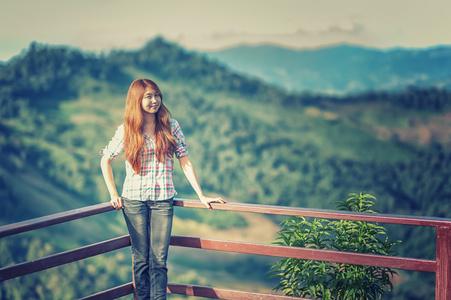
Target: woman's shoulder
{"points": [[119, 130], [173, 123]]}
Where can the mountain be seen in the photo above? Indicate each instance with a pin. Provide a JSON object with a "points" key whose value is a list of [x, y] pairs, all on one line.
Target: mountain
{"points": [[341, 69], [250, 142]]}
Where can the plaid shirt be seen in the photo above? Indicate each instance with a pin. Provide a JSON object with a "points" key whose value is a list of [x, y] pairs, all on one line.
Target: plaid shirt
{"points": [[155, 179]]}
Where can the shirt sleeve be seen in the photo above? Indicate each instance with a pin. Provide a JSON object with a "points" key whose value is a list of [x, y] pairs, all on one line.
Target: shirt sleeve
{"points": [[115, 146], [181, 150]]}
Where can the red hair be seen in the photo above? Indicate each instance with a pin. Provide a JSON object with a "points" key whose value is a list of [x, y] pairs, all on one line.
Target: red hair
{"points": [[134, 146]]}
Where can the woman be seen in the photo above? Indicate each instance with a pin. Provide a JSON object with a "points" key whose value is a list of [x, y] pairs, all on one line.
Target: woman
{"points": [[149, 139]]}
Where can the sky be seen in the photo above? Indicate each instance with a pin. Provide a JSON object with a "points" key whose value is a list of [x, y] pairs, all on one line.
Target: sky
{"points": [[205, 25]]}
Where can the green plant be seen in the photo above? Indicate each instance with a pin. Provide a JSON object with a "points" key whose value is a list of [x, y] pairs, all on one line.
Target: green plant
{"points": [[325, 280]]}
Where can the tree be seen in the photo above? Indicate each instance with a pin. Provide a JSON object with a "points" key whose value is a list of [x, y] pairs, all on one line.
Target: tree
{"points": [[324, 280]]}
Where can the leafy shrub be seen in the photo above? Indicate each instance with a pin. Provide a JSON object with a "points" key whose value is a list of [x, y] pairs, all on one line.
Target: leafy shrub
{"points": [[325, 280]]}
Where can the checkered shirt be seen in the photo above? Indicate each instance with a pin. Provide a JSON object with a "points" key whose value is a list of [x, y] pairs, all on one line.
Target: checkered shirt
{"points": [[155, 179]]}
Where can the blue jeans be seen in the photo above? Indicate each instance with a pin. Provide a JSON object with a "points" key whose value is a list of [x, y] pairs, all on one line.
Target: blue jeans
{"points": [[149, 224]]}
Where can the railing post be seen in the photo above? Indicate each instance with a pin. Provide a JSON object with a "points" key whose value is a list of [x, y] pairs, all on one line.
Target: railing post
{"points": [[443, 259]]}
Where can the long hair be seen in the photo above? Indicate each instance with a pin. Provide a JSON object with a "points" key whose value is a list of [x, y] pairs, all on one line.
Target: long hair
{"points": [[134, 146]]}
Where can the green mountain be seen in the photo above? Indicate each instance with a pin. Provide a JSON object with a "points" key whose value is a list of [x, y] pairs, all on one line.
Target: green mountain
{"points": [[250, 142], [341, 69]]}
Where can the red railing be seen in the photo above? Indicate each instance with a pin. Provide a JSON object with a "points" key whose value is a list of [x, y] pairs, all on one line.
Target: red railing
{"points": [[441, 266]]}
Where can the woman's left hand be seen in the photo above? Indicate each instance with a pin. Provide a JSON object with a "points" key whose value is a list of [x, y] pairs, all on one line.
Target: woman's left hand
{"points": [[207, 200]]}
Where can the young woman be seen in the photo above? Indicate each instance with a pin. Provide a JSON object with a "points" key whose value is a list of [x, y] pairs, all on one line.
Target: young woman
{"points": [[149, 139]]}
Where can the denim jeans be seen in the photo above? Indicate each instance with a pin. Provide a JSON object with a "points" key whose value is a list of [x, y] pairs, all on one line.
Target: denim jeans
{"points": [[149, 224]]}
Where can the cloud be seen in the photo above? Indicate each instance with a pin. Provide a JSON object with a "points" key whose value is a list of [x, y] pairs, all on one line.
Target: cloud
{"points": [[348, 28], [351, 32], [354, 29]]}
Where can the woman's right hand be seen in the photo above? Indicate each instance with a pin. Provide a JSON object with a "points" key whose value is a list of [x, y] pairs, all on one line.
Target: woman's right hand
{"points": [[117, 202]]}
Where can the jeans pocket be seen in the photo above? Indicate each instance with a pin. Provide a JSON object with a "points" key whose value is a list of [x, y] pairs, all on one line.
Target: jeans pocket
{"points": [[133, 206]]}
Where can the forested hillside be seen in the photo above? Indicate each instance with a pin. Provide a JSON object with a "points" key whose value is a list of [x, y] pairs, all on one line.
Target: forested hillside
{"points": [[250, 142]]}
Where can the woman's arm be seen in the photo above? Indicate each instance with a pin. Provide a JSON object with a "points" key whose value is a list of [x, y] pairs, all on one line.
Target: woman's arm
{"points": [[190, 173], [107, 171]]}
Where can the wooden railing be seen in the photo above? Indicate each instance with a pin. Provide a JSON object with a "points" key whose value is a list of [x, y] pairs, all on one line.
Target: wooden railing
{"points": [[441, 266]]}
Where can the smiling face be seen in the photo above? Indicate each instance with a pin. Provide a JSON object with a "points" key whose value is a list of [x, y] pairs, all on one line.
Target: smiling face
{"points": [[151, 101]]}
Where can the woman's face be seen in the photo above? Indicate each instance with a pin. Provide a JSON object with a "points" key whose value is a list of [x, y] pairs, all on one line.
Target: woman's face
{"points": [[151, 101]]}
